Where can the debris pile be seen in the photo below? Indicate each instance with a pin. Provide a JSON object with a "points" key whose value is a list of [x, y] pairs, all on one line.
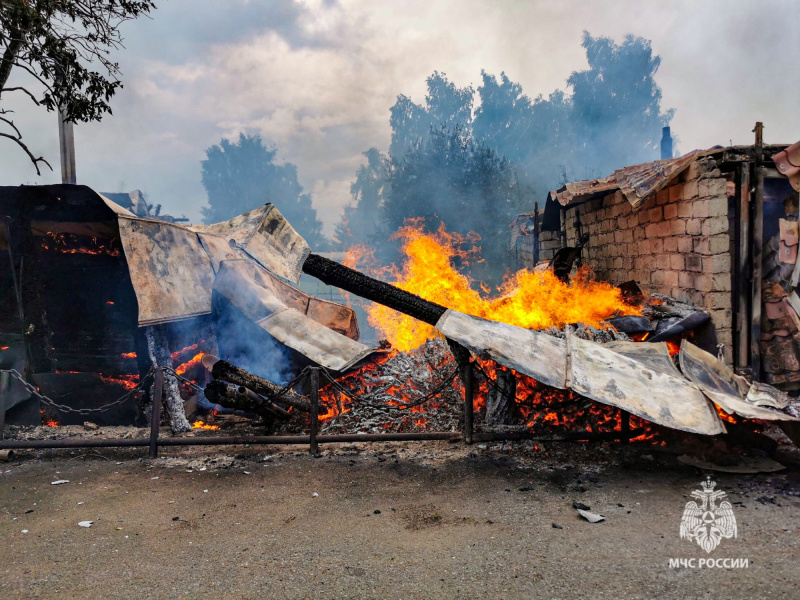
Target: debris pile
{"points": [[387, 395]]}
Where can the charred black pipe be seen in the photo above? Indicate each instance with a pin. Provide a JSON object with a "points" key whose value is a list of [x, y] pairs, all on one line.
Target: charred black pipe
{"points": [[350, 280]]}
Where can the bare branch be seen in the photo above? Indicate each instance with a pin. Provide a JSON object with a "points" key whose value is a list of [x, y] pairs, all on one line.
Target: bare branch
{"points": [[14, 127], [34, 160], [20, 89]]}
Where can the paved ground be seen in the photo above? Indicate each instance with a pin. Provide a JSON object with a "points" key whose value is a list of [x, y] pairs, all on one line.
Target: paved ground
{"points": [[390, 521]]}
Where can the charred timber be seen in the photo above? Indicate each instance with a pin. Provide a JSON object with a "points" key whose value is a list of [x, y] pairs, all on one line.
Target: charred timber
{"points": [[332, 273], [240, 398], [225, 371]]}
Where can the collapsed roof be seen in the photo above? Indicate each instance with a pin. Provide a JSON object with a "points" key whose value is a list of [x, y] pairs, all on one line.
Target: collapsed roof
{"points": [[253, 260]]}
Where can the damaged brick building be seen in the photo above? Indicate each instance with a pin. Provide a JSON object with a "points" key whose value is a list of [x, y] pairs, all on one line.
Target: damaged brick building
{"points": [[716, 228]]}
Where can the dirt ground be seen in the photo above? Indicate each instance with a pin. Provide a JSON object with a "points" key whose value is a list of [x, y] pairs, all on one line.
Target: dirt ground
{"points": [[402, 520]]}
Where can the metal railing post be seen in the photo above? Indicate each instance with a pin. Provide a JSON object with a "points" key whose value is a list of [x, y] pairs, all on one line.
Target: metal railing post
{"points": [[155, 417], [469, 407], [314, 445]]}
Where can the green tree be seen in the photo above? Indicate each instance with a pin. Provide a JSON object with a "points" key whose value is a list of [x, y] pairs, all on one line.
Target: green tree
{"points": [[445, 106], [360, 219], [616, 104], [452, 179], [56, 47], [241, 176]]}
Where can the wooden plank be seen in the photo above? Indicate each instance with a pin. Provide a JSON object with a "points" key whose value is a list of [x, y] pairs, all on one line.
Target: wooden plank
{"points": [[742, 271], [757, 254]]}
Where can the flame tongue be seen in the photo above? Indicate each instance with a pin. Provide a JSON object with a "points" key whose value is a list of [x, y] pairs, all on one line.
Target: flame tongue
{"points": [[533, 300]]}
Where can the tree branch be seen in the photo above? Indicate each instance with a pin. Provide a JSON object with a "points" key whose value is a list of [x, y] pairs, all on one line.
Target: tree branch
{"points": [[20, 89], [14, 127], [34, 160]]}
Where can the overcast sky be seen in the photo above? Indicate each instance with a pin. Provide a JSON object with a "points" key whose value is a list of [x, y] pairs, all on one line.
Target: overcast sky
{"points": [[316, 78]]}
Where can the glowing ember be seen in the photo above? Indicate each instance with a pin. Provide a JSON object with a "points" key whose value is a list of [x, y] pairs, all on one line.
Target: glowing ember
{"points": [[78, 244], [533, 300], [128, 381], [110, 303], [50, 423], [177, 354], [203, 425], [128, 355], [673, 348], [192, 362], [4, 348]]}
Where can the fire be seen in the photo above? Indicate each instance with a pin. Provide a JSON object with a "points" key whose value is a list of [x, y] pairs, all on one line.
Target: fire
{"points": [[128, 381], [4, 348], [128, 355], [177, 354], [533, 300], [78, 244], [192, 362], [48, 421], [202, 425]]}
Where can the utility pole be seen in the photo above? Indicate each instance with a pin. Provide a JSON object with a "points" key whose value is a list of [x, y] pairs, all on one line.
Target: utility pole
{"points": [[66, 141]]}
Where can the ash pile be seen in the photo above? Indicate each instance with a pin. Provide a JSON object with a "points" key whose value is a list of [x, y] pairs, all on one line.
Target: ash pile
{"points": [[401, 392]]}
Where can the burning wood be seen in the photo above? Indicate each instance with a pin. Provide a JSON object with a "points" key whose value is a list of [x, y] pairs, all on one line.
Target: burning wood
{"points": [[158, 349], [240, 398], [226, 372]]}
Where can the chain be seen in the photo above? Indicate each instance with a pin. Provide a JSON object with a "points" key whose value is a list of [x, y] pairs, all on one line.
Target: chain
{"points": [[81, 411], [188, 382]]}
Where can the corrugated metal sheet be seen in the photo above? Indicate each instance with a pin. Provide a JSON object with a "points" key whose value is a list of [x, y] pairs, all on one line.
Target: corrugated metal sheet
{"points": [[170, 271], [718, 383], [313, 327], [536, 354], [645, 386], [636, 182], [267, 237], [612, 378]]}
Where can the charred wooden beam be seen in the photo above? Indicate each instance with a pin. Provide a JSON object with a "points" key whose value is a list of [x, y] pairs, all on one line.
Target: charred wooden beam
{"points": [[332, 273], [158, 351], [501, 405], [240, 398], [225, 371]]}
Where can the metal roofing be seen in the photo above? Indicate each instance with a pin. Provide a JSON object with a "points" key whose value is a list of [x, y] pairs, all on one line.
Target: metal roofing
{"points": [[636, 182]]}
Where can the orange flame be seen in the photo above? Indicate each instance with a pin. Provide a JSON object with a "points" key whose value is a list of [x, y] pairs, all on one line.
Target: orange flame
{"points": [[128, 381], [128, 355], [4, 348], [202, 425], [192, 362], [533, 300]]}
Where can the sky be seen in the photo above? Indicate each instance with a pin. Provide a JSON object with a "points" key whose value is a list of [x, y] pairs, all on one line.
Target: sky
{"points": [[316, 79]]}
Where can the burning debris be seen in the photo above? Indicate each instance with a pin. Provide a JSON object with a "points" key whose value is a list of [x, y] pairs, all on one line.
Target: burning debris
{"points": [[551, 353]]}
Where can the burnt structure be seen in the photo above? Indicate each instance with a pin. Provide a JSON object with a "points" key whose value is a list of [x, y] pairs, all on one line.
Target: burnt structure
{"points": [[714, 228]]}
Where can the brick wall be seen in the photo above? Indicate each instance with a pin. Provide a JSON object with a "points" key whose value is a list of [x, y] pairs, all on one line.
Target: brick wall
{"points": [[677, 243]]}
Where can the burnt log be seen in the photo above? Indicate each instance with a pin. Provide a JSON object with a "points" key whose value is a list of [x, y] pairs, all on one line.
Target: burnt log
{"points": [[241, 399], [225, 371], [501, 405], [158, 351], [332, 273]]}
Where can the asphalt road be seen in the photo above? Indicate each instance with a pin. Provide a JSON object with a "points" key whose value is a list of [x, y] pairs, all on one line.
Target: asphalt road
{"points": [[432, 520]]}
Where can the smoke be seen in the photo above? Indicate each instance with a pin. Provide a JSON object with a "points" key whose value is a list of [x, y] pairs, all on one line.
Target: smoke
{"points": [[475, 169]]}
